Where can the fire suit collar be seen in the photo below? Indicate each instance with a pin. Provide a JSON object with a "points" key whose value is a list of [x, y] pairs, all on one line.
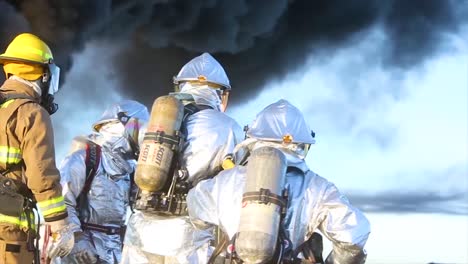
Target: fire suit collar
{"points": [[13, 87]]}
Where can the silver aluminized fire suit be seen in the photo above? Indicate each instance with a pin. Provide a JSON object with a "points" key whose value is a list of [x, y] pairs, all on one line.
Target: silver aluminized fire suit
{"points": [[210, 136], [108, 197], [314, 203]]}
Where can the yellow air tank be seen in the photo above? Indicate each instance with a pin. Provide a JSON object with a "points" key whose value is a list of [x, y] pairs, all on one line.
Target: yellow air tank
{"points": [[159, 145], [260, 220]]}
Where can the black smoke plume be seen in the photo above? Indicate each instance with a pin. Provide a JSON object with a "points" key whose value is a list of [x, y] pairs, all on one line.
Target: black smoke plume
{"points": [[257, 41]]}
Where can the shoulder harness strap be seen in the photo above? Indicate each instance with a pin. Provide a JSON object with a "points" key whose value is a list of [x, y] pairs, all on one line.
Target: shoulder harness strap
{"points": [[221, 245], [92, 160], [265, 196], [193, 108], [190, 109]]}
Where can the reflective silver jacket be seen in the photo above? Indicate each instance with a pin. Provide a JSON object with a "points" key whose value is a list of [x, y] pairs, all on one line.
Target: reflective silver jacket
{"points": [[211, 136], [107, 198], [314, 204]]}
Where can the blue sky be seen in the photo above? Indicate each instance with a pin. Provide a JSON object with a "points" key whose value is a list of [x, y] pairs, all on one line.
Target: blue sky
{"points": [[393, 140]]}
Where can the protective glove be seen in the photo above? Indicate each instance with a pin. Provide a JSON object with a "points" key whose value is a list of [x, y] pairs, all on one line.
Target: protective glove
{"points": [[83, 252], [62, 239], [351, 254]]}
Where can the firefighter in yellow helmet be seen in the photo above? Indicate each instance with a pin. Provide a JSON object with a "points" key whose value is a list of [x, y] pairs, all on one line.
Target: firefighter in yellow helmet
{"points": [[29, 177]]}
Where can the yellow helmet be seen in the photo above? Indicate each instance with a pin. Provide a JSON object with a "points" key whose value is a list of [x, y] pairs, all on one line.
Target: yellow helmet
{"points": [[27, 48], [28, 57]]}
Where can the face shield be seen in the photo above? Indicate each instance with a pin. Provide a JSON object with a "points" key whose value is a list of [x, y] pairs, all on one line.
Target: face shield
{"points": [[300, 149], [222, 92], [134, 129], [306, 148], [205, 93], [54, 71], [224, 96], [50, 83]]}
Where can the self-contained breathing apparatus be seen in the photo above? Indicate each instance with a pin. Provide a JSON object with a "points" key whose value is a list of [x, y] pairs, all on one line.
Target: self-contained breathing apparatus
{"points": [[158, 160], [261, 236]]}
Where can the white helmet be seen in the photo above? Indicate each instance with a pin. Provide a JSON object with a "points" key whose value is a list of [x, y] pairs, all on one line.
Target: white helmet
{"points": [[204, 71], [133, 115], [281, 122]]}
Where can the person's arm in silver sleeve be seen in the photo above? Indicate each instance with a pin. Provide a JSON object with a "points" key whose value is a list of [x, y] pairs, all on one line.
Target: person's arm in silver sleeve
{"points": [[343, 224], [73, 173], [201, 205]]}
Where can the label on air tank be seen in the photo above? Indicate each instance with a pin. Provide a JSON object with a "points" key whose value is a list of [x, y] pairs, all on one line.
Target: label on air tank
{"points": [[155, 154]]}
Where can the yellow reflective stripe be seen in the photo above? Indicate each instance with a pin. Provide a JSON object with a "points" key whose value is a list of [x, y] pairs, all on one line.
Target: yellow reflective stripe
{"points": [[39, 52], [51, 206], [10, 160], [10, 149], [10, 155], [51, 201], [54, 210], [6, 103], [21, 221]]}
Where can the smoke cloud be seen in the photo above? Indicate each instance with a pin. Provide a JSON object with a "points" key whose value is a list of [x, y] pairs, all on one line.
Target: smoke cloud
{"points": [[256, 43], [411, 202]]}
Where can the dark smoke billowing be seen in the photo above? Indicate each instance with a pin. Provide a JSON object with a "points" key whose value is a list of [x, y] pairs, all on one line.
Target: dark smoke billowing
{"points": [[256, 41]]}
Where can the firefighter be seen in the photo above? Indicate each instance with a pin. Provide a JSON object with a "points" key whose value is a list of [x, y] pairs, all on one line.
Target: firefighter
{"points": [[29, 176], [202, 87], [97, 182], [270, 204]]}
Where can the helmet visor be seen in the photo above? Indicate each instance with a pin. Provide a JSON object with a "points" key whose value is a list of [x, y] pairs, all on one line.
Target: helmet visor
{"points": [[306, 148], [299, 149], [224, 99], [134, 127], [54, 78]]}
